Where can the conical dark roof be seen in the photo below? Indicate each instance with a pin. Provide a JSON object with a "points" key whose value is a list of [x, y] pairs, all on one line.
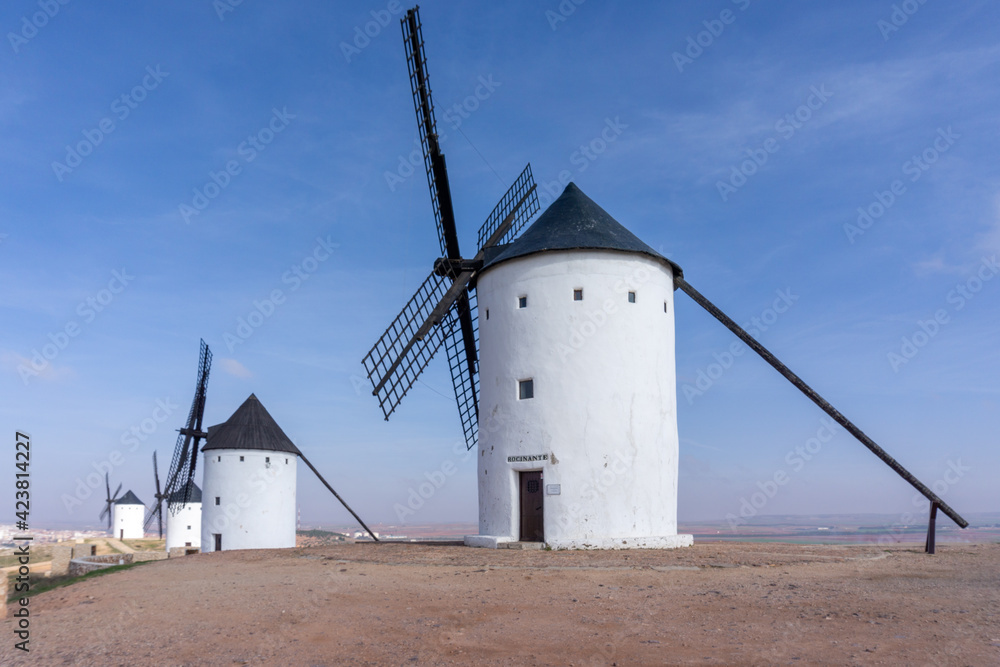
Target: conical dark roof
{"points": [[129, 499], [193, 497], [574, 222], [250, 427]]}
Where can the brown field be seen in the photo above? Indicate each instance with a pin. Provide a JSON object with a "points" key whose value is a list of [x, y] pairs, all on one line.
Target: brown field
{"points": [[714, 603]]}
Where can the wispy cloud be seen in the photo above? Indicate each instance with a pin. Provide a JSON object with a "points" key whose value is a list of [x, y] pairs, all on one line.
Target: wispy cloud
{"points": [[49, 372], [235, 368]]}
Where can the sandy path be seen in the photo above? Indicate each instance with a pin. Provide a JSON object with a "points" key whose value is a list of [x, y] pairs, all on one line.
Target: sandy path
{"points": [[411, 604]]}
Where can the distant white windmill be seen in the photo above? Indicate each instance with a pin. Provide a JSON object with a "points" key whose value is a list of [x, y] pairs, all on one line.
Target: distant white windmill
{"points": [[127, 517], [248, 500]]}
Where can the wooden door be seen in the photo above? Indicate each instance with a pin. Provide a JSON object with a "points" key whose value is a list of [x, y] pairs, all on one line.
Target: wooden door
{"points": [[532, 517], [218, 541]]}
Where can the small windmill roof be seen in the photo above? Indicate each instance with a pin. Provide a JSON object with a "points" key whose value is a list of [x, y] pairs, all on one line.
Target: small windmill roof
{"points": [[250, 427], [574, 222], [178, 495], [129, 499]]}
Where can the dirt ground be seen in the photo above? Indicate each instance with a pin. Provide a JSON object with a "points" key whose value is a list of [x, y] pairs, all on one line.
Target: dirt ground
{"points": [[406, 604]]}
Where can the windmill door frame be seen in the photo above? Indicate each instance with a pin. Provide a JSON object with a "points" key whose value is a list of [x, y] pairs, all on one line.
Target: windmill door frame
{"points": [[531, 506], [218, 541]]}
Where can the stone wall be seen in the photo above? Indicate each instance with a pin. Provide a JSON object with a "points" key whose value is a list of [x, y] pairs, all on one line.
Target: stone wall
{"points": [[177, 552], [86, 564], [79, 566], [83, 550], [61, 555], [140, 556]]}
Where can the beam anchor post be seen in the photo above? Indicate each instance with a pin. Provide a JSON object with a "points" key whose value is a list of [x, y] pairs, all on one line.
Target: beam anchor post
{"points": [[931, 523]]}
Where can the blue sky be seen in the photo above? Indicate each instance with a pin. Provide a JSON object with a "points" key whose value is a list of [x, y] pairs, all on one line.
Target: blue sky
{"points": [[747, 136]]}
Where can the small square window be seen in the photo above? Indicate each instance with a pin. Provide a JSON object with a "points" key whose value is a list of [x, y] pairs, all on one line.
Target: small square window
{"points": [[631, 297], [286, 461], [217, 500], [522, 302], [267, 459], [241, 459], [578, 295], [189, 527], [526, 389], [219, 459]]}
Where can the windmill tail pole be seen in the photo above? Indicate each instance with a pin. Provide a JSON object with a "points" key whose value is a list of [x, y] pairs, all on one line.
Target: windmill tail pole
{"points": [[683, 285], [342, 501]]}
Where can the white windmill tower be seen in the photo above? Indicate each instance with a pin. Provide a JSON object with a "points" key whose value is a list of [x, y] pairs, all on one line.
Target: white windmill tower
{"points": [[249, 484], [248, 500], [578, 410], [184, 524], [126, 517], [578, 427], [184, 516]]}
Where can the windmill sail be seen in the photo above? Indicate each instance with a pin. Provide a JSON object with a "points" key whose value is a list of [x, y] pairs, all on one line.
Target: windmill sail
{"points": [[515, 208], [443, 310], [185, 460], [109, 499], [156, 510], [400, 356], [434, 163]]}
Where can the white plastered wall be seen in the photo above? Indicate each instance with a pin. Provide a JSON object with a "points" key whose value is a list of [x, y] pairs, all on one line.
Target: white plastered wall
{"points": [[178, 532], [126, 522], [256, 507], [604, 411]]}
